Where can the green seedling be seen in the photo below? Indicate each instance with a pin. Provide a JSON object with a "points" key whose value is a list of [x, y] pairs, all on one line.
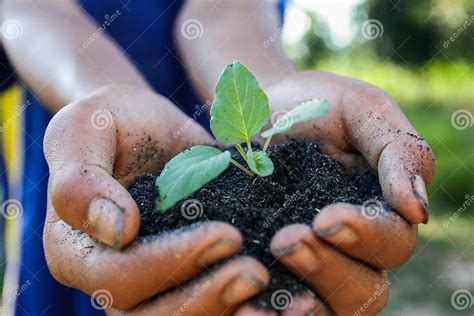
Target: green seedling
{"points": [[239, 111]]}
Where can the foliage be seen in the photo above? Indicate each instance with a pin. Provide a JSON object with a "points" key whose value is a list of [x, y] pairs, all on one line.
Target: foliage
{"points": [[239, 111]]}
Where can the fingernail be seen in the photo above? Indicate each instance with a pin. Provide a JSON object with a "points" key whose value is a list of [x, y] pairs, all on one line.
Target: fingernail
{"points": [[301, 252], [289, 250], [219, 250], [241, 288], [419, 190], [324, 232], [339, 234], [106, 219]]}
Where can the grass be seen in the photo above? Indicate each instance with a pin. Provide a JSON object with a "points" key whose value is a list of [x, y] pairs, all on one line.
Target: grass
{"points": [[444, 259], [428, 96], [436, 82], [442, 264]]}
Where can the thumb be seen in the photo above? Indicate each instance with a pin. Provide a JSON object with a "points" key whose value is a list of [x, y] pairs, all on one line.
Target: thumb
{"points": [[403, 159], [82, 189], [406, 166], [88, 198]]}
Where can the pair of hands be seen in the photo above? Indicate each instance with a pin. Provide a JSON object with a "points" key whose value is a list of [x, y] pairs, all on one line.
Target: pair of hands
{"points": [[96, 146]]}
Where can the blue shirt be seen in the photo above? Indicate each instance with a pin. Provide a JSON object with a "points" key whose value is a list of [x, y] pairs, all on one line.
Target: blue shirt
{"points": [[144, 31]]}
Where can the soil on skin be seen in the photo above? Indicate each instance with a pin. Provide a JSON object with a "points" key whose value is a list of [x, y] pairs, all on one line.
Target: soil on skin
{"points": [[304, 181]]}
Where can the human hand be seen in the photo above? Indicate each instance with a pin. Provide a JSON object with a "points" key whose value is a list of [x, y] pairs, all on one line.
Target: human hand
{"points": [[342, 257], [94, 148]]}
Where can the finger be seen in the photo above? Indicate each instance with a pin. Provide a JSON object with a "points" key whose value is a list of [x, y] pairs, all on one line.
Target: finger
{"points": [[371, 123], [141, 270], [341, 282], [404, 167], [93, 152], [219, 293], [383, 135], [381, 238], [81, 186]]}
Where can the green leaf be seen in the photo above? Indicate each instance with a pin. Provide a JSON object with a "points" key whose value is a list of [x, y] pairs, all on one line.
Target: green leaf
{"points": [[260, 163], [308, 110], [187, 172], [240, 108]]}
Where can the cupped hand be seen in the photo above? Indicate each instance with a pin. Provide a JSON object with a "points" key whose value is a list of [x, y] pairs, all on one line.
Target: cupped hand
{"points": [[344, 255], [94, 148]]}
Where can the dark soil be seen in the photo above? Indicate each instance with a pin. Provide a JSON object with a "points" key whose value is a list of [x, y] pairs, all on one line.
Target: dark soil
{"points": [[304, 181]]}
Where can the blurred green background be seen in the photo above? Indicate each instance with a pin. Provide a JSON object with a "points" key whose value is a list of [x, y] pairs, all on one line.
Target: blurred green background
{"points": [[422, 53]]}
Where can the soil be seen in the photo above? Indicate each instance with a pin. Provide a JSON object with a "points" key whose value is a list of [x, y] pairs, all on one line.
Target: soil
{"points": [[304, 181]]}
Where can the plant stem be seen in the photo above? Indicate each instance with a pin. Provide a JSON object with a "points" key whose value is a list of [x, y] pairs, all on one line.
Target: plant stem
{"points": [[249, 146], [238, 165], [241, 151], [267, 143]]}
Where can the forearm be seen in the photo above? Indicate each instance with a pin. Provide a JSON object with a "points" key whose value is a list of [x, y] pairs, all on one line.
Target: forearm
{"points": [[234, 30], [51, 57]]}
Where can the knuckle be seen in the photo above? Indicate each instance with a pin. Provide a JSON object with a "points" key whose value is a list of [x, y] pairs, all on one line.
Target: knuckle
{"points": [[370, 94]]}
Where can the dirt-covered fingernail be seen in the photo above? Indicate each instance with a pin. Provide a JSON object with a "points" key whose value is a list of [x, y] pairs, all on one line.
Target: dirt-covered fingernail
{"points": [[419, 190], [241, 288], [219, 250], [328, 231], [280, 252], [339, 234], [106, 220], [303, 256]]}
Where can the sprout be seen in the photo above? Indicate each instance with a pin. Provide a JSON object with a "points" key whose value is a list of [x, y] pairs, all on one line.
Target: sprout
{"points": [[239, 111]]}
